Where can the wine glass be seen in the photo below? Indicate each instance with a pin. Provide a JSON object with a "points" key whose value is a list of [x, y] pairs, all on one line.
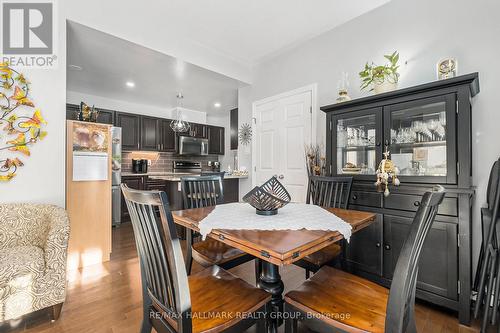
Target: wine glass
{"points": [[432, 125]]}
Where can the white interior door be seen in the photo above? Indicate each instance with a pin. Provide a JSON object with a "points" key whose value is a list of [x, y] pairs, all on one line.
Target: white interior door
{"points": [[283, 127]]}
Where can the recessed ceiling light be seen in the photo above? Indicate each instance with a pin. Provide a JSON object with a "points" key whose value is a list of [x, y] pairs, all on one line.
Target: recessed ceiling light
{"points": [[130, 84], [75, 67], [217, 105]]}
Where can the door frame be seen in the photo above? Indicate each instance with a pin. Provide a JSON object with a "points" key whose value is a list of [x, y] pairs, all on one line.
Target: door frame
{"points": [[313, 88]]}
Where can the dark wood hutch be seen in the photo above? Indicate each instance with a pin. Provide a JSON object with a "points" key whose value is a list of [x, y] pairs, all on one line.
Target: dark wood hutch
{"points": [[427, 129]]}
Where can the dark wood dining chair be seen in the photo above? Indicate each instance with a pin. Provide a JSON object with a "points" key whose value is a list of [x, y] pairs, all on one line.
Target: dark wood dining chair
{"points": [[331, 192], [336, 301], [204, 191], [207, 301], [214, 173]]}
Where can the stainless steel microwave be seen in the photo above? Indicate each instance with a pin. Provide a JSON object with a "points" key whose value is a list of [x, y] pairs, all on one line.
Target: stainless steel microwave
{"points": [[193, 146]]}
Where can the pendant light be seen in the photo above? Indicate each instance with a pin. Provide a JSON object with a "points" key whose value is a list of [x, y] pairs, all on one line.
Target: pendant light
{"points": [[178, 124]]}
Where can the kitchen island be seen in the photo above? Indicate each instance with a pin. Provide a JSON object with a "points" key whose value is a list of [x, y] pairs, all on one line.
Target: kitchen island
{"points": [[170, 183]]}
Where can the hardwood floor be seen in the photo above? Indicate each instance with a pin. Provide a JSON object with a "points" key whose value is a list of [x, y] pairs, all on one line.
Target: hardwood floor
{"points": [[107, 298]]}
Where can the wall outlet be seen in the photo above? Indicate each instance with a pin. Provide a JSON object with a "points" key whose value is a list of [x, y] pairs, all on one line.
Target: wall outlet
{"points": [[149, 162]]}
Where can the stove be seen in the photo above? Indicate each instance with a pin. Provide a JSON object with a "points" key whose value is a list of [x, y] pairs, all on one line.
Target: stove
{"points": [[189, 167]]}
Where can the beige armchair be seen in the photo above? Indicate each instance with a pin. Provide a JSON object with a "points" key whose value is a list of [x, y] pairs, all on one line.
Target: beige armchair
{"points": [[33, 251]]}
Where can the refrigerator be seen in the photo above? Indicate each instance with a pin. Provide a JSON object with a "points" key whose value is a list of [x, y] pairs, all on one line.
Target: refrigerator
{"points": [[116, 175]]}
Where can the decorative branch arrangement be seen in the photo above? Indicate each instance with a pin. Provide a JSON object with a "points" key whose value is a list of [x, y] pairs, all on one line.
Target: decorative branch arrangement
{"points": [[21, 131], [315, 160]]}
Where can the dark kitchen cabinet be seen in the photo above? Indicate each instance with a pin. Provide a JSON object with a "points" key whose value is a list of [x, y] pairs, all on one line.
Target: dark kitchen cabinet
{"points": [[233, 125], [168, 138], [427, 130], [131, 130], [106, 116], [103, 117], [135, 182], [363, 253], [150, 134], [231, 190], [156, 185], [216, 140], [438, 266], [198, 131]]}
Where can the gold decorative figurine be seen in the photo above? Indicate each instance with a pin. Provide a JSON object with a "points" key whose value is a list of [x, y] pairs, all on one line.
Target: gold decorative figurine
{"points": [[386, 172]]}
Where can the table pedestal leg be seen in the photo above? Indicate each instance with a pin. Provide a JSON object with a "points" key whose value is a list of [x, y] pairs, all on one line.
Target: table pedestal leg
{"points": [[270, 281]]}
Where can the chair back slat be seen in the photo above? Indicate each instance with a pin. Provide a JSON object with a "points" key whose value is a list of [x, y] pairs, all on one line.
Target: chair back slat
{"points": [[160, 254], [202, 191], [400, 306], [329, 191]]}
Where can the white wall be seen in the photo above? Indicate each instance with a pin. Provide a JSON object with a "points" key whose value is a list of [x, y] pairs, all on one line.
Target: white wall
{"points": [[123, 106], [423, 32], [42, 178]]}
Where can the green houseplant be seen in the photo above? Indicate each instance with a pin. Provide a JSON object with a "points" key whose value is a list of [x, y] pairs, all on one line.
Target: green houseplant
{"points": [[381, 78]]}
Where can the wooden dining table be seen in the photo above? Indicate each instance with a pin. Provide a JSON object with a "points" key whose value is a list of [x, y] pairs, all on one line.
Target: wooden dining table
{"points": [[276, 247]]}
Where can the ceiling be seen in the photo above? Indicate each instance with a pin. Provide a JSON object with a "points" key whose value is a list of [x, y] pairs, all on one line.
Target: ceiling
{"points": [[215, 34], [251, 31], [108, 63]]}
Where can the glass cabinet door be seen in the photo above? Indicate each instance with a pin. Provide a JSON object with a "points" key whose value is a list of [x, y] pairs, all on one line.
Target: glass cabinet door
{"points": [[357, 137], [421, 138]]}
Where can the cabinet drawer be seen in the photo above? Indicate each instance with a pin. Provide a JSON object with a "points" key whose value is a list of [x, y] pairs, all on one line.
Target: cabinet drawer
{"points": [[408, 202], [371, 199]]}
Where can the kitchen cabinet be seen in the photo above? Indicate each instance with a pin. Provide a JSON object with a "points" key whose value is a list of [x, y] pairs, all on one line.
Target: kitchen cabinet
{"points": [[438, 266], [168, 138], [103, 117], [216, 140], [427, 130], [233, 126], [153, 134], [198, 131], [135, 182], [363, 253], [231, 190], [131, 130], [150, 133]]}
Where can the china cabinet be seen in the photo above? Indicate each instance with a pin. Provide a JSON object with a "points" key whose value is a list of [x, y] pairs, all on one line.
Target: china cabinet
{"points": [[427, 129]]}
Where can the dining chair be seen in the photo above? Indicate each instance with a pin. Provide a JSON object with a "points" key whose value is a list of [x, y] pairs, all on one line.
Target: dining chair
{"points": [[332, 192], [336, 301], [488, 270], [205, 191], [207, 301], [214, 173]]}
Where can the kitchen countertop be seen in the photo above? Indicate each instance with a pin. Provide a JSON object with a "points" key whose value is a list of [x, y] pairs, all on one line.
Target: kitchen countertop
{"points": [[173, 177]]}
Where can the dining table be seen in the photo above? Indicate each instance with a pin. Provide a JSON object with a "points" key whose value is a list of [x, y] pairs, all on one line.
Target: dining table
{"points": [[275, 248]]}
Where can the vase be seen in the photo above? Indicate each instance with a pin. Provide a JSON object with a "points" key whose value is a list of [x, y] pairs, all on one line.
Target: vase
{"points": [[385, 86]]}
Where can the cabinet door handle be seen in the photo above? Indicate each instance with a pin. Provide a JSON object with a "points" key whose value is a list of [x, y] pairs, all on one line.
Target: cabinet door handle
{"points": [[355, 197], [387, 247], [378, 144], [378, 244], [416, 203]]}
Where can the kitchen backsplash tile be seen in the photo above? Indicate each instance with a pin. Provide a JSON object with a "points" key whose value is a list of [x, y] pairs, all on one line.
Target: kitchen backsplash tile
{"points": [[162, 162]]}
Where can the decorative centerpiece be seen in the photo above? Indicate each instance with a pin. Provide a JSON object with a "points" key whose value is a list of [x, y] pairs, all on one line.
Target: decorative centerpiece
{"points": [[386, 172], [381, 78], [268, 198]]}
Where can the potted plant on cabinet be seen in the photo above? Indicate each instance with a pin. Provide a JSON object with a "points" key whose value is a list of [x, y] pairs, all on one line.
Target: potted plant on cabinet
{"points": [[381, 78]]}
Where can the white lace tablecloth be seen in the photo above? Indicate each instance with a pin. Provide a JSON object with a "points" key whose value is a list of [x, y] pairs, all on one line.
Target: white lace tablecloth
{"points": [[294, 216]]}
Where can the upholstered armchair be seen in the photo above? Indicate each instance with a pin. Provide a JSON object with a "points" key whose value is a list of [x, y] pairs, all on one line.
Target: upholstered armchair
{"points": [[33, 251]]}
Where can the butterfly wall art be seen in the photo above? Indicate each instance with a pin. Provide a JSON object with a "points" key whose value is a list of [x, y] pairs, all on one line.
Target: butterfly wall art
{"points": [[21, 123]]}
